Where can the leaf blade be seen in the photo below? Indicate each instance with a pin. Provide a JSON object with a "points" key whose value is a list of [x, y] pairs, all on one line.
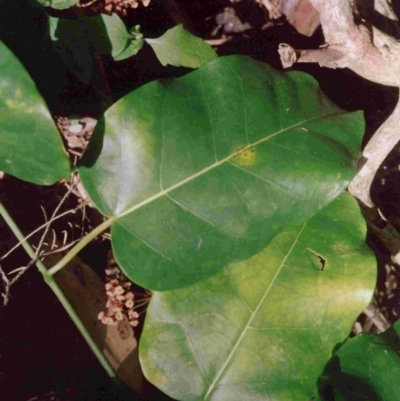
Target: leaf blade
{"points": [[31, 149], [111, 29], [180, 188], [175, 47], [364, 368], [264, 327]]}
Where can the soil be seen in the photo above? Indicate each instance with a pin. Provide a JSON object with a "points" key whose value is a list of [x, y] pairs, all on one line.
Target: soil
{"points": [[42, 355]]}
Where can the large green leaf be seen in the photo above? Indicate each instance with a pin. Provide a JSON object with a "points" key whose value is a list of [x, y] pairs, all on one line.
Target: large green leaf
{"points": [[30, 144], [208, 168], [264, 328], [365, 368], [179, 47]]}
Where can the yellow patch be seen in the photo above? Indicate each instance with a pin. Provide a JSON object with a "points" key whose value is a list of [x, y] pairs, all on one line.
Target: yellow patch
{"points": [[21, 107], [245, 158], [158, 379], [344, 250]]}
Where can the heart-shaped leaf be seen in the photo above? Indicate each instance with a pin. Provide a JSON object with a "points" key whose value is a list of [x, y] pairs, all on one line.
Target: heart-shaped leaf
{"points": [[365, 368], [179, 47], [264, 328], [206, 169], [31, 147]]}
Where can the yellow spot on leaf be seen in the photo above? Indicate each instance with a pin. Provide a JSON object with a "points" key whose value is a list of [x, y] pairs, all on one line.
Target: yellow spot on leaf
{"points": [[246, 158], [21, 107], [244, 358], [158, 379]]}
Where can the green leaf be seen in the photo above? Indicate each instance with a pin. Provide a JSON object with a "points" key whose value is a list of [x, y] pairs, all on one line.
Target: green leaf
{"points": [[365, 368], [53, 25], [178, 47], [206, 169], [135, 44], [31, 147], [132, 49], [109, 32], [264, 328], [60, 4]]}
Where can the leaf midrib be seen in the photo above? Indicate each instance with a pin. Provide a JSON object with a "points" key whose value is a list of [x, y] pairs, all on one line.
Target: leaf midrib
{"points": [[252, 316], [214, 165]]}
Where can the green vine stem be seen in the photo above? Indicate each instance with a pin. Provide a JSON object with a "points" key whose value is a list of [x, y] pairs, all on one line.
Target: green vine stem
{"points": [[49, 279]]}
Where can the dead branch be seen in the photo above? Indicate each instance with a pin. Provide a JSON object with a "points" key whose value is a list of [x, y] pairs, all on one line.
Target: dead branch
{"points": [[376, 151], [6, 283], [43, 226], [39, 253], [371, 54]]}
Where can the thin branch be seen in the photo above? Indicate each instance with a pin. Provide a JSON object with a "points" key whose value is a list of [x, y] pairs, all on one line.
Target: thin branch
{"points": [[63, 199], [16, 246], [6, 282], [44, 213], [38, 254], [380, 145], [142, 303], [22, 271], [63, 248]]}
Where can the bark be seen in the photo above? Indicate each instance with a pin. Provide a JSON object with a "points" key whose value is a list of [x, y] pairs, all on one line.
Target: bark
{"points": [[371, 54]]}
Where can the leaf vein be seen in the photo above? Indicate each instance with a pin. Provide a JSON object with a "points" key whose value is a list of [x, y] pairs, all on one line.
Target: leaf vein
{"points": [[203, 219], [238, 290], [263, 179], [212, 166], [248, 324], [147, 244]]}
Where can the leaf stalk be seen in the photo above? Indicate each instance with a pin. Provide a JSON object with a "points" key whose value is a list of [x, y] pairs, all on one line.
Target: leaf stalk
{"points": [[80, 245]]}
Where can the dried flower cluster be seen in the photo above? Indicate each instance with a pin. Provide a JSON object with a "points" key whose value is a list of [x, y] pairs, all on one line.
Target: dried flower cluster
{"points": [[120, 299], [119, 7]]}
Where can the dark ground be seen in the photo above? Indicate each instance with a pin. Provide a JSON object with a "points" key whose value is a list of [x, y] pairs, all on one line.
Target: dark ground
{"points": [[42, 355]]}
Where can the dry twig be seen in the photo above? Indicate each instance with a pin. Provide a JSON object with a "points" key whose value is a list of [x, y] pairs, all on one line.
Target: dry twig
{"points": [[18, 244], [39, 254]]}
